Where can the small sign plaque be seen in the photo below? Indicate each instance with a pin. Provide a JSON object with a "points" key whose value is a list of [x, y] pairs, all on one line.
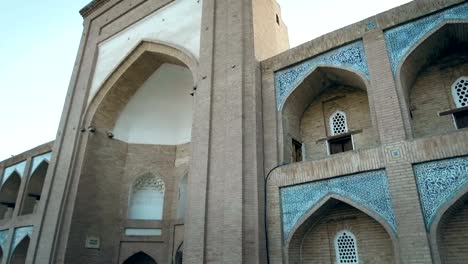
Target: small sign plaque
{"points": [[93, 242]]}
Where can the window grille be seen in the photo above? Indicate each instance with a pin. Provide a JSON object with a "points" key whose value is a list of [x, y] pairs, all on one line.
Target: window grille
{"points": [[346, 247], [338, 123], [460, 92]]}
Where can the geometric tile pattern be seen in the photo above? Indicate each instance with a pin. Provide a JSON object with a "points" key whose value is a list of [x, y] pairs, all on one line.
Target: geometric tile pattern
{"points": [[19, 168], [350, 56], [401, 39], [39, 159], [20, 234], [368, 189], [438, 182], [3, 239]]}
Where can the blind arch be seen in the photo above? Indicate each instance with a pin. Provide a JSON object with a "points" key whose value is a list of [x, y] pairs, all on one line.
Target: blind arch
{"points": [[147, 198]]}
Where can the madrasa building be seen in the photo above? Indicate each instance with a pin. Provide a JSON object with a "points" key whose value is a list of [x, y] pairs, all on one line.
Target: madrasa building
{"points": [[191, 133]]}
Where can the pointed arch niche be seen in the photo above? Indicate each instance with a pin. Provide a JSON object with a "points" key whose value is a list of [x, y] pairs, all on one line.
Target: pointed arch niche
{"points": [[450, 233], [20, 245], [141, 118], [427, 75], [307, 113], [313, 213], [319, 237], [11, 182], [35, 183]]}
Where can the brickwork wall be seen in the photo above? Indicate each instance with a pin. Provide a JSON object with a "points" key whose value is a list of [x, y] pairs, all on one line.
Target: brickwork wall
{"points": [[315, 121], [373, 243], [103, 198], [271, 37], [97, 207], [432, 94]]}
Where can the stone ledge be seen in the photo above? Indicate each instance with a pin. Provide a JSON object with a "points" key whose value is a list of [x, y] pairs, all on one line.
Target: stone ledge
{"points": [[91, 7]]}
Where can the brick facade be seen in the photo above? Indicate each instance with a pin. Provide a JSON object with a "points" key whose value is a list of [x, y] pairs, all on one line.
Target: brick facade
{"points": [[242, 132]]}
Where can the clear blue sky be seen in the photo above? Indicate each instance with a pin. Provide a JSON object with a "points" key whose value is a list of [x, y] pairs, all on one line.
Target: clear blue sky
{"points": [[40, 40]]}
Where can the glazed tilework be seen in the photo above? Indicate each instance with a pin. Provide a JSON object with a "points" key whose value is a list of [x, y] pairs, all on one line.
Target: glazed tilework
{"points": [[438, 182], [19, 168], [3, 239], [20, 234], [350, 56], [401, 39], [370, 189], [38, 160]]}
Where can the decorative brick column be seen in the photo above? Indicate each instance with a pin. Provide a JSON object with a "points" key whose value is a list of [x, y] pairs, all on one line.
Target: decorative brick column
{"points": [[413, 243], [223, 211]]}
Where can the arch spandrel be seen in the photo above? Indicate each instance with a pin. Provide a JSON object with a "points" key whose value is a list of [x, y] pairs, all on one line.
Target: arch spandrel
{"points": [[402, 39], [368, 189], [438, 182], [351, 57]]}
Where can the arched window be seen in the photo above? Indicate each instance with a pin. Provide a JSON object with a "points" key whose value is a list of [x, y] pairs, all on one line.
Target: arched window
{"points": [[147, 198], [338, 123], [182, 198], [460, 92], [346, 247]]}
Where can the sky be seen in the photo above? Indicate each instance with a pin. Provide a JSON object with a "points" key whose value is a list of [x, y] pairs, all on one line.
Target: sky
{"points": [[40, 40]]}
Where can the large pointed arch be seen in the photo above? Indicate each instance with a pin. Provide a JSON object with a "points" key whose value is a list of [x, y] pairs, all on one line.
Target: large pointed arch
{"points": [[129, 75], [295, 237]]}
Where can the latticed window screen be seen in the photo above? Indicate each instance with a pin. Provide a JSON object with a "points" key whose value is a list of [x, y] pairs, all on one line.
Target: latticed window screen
{"points": [[346, 248], [147, 198], [460, 92], [338, 123]]}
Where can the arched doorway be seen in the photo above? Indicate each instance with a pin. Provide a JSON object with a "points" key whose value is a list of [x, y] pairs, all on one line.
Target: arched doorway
{"points": [[338, 232], [20, 252], [140, 258]]}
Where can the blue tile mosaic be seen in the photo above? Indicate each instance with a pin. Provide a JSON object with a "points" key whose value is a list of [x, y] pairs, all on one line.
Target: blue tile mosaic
{"points": [[20, 234], [38, 160], [369, 189], [19, 168], [438, 182], [401, 39], [3, 239], [351, 56]]}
